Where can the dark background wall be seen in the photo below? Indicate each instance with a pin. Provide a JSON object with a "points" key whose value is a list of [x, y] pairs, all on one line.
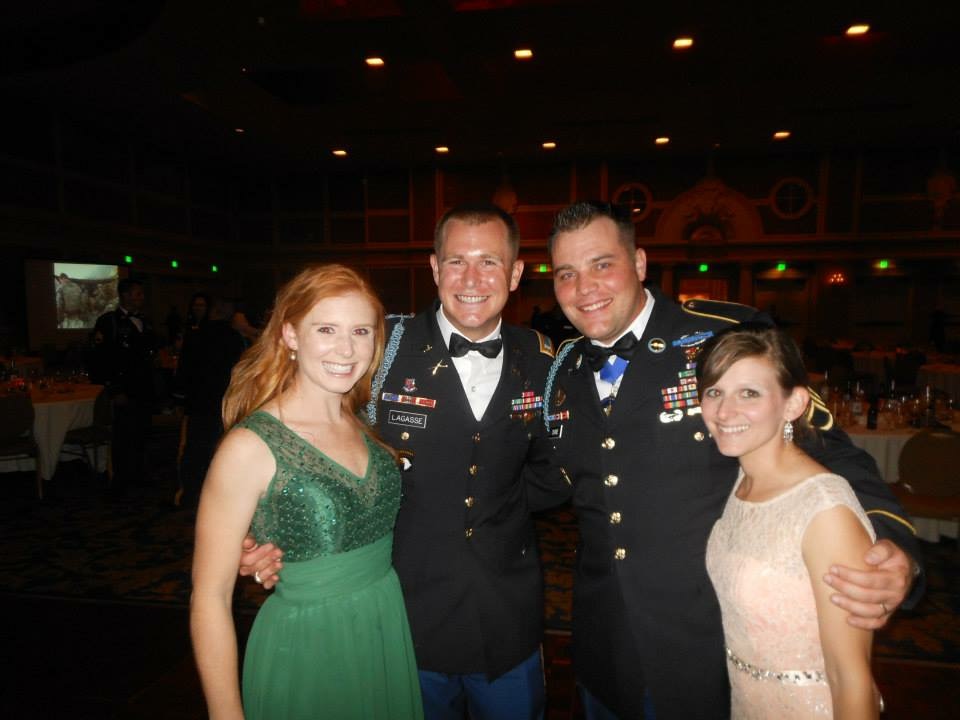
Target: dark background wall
{"points": [[73, 190]]}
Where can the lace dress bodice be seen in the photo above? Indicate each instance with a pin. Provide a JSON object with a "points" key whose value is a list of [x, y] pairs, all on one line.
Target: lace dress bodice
{"points": [[314, 506], [754, 558]]}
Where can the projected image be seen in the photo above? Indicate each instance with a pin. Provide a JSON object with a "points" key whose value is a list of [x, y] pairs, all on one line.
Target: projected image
{"points": [[83, 293]]}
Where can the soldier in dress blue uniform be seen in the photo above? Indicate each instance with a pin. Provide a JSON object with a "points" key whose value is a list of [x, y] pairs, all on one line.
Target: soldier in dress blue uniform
{"points": [[124, 347], [459, 397], [648, 483]]}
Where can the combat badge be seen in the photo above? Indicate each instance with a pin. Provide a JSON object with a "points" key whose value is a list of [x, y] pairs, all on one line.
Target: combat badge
{"points": [[690, 344]]}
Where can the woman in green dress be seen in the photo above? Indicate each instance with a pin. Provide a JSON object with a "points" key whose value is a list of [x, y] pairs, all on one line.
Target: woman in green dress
{"points": [[300, 469]]}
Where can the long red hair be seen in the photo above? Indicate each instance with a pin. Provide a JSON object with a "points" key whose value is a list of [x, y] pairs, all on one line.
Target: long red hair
{"points": [[265, 370]]}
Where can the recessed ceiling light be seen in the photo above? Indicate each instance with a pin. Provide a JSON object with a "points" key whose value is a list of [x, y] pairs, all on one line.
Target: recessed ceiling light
{"points": [[239, 131], [781, 135], [375, 61], [340, 152], [549, 145], [683, 43], [442, 149], [523, 53], [662, 140], [858, 29]]}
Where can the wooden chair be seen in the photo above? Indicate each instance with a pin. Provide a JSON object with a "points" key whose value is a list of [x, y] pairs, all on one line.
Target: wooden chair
{"points": [[83, 441], [16, 433], [929, 484]]}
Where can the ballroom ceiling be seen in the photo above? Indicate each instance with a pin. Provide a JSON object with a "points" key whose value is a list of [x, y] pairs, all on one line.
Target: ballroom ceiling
{"points": [[604, 80]]}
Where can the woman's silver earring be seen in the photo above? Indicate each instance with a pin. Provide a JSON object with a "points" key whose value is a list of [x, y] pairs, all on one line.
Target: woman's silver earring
{"points": [[293, 355], [788, 431]]}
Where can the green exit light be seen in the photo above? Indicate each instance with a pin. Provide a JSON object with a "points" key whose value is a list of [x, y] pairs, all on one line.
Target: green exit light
{"points": [[883, 264], [781, 266], [214, 268], [174, 264], [128, 259], [703, 267], [543, 268]]}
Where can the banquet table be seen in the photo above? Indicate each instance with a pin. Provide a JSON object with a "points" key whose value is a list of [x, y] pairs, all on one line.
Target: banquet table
{"points": [[941, 376], [23, 363], [56, 410], [885, 447]]}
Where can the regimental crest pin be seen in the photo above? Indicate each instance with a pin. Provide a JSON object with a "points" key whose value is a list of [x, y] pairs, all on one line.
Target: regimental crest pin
{"points": [[409, 385]]}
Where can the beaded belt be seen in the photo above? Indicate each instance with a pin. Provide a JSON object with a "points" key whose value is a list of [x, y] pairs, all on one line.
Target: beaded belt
{"points": [[793, 677]]}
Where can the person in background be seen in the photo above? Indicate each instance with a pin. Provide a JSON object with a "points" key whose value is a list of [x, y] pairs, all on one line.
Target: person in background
{"points": [[241, 323], [197, 314], [787, 520], [648, 485], [124, 347], [301, 468], [203, 374]]}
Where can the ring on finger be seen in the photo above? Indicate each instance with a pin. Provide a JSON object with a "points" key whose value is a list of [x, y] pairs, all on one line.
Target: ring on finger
{"points": [[884, 608], [256, 577]]}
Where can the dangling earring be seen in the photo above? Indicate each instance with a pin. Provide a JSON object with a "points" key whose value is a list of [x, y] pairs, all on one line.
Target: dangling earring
{"points": [[293, 355], [788, 431]]}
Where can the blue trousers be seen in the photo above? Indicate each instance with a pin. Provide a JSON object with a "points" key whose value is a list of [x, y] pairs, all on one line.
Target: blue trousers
{"points": [[516, 695]]}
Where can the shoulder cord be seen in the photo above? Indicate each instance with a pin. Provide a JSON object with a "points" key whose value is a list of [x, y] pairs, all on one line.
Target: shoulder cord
{"points": [[551, 378], [389, 355]]}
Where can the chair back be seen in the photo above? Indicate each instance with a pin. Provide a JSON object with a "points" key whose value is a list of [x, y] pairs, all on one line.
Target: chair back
{"points": [[16, 417], [930, 463]]}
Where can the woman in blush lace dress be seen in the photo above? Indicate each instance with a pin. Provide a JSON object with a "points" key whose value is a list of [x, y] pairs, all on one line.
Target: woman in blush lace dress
{"points": [[788, 519]]}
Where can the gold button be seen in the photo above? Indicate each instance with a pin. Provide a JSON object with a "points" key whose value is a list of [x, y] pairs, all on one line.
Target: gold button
{"points": [[698, 436], [620, 553], [609, 443], [404, 435], [469, 533], [473, 470], [611, 480], [476, 437], [468, 501], [615, 518]]}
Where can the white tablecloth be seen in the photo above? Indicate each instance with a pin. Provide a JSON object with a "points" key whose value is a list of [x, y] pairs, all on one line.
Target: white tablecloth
{"points": [[53, 415], [885, 446]]}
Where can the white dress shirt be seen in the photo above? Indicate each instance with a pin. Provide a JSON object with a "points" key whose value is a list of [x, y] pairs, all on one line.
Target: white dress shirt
{"points": [[478, 374], [637, 327]]}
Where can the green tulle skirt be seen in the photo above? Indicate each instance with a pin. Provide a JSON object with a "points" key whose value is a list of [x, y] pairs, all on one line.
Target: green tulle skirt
{"points": [[333, 642]]}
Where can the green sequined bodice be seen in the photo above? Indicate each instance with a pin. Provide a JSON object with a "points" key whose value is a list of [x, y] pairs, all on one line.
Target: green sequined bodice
{"points": [[314, 506]]}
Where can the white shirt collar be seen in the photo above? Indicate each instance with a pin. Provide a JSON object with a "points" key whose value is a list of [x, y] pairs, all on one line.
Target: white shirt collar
{"points": [[639, 324]]}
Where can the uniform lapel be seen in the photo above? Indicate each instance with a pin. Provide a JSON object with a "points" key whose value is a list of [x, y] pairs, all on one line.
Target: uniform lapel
{"points": [[649, 360]]}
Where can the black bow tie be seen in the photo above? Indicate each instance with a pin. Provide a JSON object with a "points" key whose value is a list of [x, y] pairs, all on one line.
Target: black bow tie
{"points": [[597, 356], [460, 346]]}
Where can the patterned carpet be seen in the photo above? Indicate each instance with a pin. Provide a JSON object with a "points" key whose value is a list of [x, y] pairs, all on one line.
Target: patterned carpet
{"points": [[83, 544]]}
